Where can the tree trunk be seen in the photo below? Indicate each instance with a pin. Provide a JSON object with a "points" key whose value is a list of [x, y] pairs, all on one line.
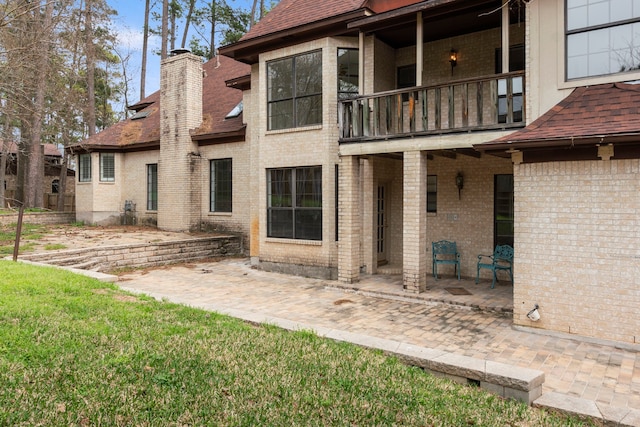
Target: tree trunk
{"points": [[145, 47], [252, 18], [91, 70], [165, 28], [34, 194], [62, 179], [192, 4], [172, 30], [212, 46]]}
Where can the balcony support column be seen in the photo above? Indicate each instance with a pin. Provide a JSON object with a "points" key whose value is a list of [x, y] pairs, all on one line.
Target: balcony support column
{"points": [[349, 220], [414, 223], [419, 48], [505, 36], [361, 63]]}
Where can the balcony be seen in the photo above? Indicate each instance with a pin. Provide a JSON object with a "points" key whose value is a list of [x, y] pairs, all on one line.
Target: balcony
{"points": [[487, 103]]}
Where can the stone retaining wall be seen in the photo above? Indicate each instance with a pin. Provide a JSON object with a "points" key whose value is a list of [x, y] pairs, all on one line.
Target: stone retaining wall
{"points": [[41, 218]]}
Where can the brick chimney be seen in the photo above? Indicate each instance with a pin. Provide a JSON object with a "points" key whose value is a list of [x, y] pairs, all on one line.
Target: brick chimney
{"points": [[178, 167]]}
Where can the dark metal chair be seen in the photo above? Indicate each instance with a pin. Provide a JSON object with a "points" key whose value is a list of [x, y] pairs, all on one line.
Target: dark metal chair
{"points": [[445, 252], [502, 259]]}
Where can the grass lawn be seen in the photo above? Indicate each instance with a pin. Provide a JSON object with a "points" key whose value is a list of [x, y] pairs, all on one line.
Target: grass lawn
{"points": [[75, 351]]}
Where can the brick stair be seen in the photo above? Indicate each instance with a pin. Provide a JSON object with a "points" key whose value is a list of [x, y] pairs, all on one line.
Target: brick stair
{"points": [[141, 255]]}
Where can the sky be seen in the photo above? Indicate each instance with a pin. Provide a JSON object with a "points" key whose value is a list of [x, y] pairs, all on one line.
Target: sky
{"points": [[128, 25]]}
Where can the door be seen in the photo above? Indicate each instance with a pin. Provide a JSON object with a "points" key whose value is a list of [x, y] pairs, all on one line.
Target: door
{"points": [[381, 237]]}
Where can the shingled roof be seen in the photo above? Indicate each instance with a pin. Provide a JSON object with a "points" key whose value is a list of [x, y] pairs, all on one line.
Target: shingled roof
{"points": [[590, 115], [288, 14], [142, 131]]}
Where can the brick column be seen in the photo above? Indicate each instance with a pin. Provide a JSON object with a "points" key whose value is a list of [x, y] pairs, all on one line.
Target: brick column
{"points": [[414, 225], [349, 220], [369, 212]]}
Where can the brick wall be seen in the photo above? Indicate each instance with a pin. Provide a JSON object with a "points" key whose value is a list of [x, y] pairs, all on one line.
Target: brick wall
{"points": [[578, 247]]}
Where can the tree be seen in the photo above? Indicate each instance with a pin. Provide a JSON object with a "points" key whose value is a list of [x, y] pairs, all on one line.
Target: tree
{"points": [[145, 48], [48, 53]]}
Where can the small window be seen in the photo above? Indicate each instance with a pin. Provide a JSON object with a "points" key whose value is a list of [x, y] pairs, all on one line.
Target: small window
{"points": [[84, 167], [221, 185], [432, 193], [107, 167], [55, 186], [237, 110], [152, 187]]}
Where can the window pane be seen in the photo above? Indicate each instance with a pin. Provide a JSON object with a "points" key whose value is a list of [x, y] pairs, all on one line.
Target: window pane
{"points": [[107, 167], [308, 74], [308, 224], [221, 185], [84, 161], [432, 193], [152, 187], [280, 223], [279, 78], [309, 110], [309, 187], [348, 72], [281, 115], [279, 190]]}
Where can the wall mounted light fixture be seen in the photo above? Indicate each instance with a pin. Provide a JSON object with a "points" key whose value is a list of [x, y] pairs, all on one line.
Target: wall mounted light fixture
{"points": [[459, 183], [453, 59], [534, 314]]}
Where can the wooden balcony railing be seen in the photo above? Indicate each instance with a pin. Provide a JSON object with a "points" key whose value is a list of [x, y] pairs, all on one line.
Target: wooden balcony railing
{"points": [[486, 103]]}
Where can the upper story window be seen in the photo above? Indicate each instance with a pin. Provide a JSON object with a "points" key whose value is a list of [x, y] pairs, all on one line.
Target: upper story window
{"points": [[602, 37], [84, 167], [348, 73], [107, 167], [294, 91]]}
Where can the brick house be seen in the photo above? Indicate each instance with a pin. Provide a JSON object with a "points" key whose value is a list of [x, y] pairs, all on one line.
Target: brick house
{"points": [[172, 167], [51, 180], [374, 128]]}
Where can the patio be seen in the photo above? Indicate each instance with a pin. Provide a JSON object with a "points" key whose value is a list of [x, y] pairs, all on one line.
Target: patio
{"points": [[446, 290]]}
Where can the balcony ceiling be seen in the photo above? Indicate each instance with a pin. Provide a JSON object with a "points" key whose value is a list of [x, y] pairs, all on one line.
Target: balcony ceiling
{"points": [[398, 30]]}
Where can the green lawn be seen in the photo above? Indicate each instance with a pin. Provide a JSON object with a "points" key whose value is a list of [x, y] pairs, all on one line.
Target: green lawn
{"points": [[74, 351]]}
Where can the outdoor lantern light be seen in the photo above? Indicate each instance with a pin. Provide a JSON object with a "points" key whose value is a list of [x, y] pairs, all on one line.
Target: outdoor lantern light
{"points": [[534, 314], [453, 59], [459, 183]]}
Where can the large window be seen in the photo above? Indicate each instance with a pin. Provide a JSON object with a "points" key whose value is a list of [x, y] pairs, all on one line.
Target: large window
{"points": [[152, 187], [602, 37], [348, 73], [107, 167], [295, 91], [294, 203], [84, 167], [221, 185]]}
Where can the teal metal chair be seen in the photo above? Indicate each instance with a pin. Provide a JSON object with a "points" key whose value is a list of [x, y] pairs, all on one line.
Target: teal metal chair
{"points": [[445, 252], [502, 259]]}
